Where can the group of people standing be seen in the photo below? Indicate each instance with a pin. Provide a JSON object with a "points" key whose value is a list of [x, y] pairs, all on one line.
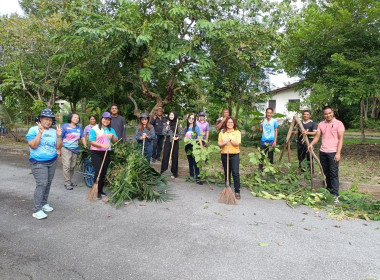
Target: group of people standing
{"points": [[46, 144]]}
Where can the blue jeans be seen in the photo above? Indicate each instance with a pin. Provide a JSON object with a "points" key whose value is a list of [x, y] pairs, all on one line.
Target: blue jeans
{"points": [[43, 173], [148, 149], [234, 162], [192, 164], [331, 170]]}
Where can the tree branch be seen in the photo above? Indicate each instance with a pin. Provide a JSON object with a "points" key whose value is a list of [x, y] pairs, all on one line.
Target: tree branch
{"points": [[136, 111], [22, 80]]}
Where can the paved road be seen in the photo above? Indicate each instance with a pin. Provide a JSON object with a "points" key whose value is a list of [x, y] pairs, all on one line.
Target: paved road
{"points": [[192, 237]]}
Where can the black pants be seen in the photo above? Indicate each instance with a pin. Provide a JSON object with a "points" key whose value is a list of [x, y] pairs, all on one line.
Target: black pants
{"points": [[96, 160], [303, 154], [157, 146], [331, 170], [193, 168], [266, 150], [233, 168], [166, 155]]}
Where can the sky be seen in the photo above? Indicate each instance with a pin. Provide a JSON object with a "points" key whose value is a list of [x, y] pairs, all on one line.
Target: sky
{"points": [[8, 7]]}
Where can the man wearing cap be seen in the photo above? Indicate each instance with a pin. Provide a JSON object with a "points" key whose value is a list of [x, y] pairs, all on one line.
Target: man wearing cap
{"points": [[203, 126], [118, 123], [44, 142], [158, 121], [310, 129]]}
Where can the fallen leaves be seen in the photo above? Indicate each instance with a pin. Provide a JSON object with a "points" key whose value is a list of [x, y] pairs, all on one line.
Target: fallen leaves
{"points": [[263, 244]]}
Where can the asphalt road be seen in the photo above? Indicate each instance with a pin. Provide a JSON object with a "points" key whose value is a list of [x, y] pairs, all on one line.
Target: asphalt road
{"points": [[191, 237]]}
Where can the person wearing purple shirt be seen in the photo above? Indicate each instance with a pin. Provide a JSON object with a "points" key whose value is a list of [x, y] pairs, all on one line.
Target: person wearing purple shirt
{"points": [[203, 125], [87, 129]]}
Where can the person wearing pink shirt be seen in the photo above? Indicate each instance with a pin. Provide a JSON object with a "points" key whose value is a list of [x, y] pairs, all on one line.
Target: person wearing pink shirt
{"points": [[332, 132]]}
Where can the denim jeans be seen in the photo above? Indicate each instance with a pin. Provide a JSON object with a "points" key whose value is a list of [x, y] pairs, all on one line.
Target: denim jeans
{"points": [[331, 170], [148, 149], [43, 173], [233, 168], [192, 164]]}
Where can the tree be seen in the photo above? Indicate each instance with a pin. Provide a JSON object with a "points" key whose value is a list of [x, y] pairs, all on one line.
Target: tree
{"points": [[334, 46]]}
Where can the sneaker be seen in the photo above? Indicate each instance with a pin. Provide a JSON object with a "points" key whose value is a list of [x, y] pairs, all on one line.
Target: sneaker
{"points": [[73, 185], [336, 200], [199, 182], [172, 177], [237, 195], [153, 160], [47, 208], [99, 196], [158, 159], [39, 215], [103, 194], [68, 187]]}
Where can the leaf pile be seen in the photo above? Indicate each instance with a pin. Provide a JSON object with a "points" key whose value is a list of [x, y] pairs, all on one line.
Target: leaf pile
{"points": [[130, 176]]}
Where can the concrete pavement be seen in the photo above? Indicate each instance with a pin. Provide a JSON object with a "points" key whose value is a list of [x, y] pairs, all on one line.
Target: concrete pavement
{"points": [[191, 237]]}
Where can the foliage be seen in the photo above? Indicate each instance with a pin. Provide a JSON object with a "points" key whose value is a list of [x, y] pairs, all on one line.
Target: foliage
{"points": [[131, 177]]}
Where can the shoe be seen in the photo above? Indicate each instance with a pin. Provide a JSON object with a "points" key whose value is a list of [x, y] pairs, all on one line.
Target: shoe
{"points": [[99, 196], [199, 182], [158, 159], [47, 208], [73, 185], [153, 160], [172, 177], [103, 194], [39, 215], [237, 196], [68, 187], [336, 200]]}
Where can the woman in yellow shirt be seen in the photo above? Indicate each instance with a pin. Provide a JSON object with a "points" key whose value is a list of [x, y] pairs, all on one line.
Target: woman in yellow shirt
{"points": [[229, 141]]}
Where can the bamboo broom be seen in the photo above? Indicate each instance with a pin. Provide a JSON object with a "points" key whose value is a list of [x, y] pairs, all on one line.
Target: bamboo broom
{"points": [[171, 151], [227, 196], [93, 193]]}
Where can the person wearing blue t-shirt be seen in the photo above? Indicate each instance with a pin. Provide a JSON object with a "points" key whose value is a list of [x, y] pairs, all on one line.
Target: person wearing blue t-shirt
{"points": [[192, 131], [43, 142], [71, 134], [268, 127]]}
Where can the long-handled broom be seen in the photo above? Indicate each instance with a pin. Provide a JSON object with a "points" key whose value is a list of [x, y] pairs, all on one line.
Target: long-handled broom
{"points": [[311, 169], [93, 193], [143, 148], [227, 196], [171, 150]]}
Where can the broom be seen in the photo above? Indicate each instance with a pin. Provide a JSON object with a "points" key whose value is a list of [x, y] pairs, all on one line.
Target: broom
{"points": [[171, 151], [93, 193], [311, 169], [142, 152], [227, 196]]}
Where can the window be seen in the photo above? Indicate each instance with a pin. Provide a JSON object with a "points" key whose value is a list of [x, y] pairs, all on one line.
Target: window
{"points": [[294, 105], [272, 104]]}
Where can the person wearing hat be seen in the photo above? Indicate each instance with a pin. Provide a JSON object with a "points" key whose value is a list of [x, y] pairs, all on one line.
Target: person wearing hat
{"points": [[100, 139], [158, 121], [310, 130], [144, 135], [44, 142], [203, 126], [168, 131], [71, 134]]}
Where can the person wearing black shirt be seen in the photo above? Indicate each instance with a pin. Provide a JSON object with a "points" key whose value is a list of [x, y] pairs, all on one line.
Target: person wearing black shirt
{"points": [[158, 121], [310, 130]]}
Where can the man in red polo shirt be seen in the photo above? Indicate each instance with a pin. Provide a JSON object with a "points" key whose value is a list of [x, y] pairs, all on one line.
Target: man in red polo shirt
{"points": [[332, 131]]}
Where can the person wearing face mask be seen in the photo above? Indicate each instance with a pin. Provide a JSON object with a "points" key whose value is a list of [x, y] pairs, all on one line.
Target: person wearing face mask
{"points": [[192, 131], [44, 142], [71, 134], [169, 128], [144, 136], [100, 139]]}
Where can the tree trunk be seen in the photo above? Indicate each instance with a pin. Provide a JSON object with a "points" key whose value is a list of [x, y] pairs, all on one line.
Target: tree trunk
{"points": [[237, 111], [230, 105], [362, 109], [366, 110], [73, 107], [373, 113], [84, 109]]}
